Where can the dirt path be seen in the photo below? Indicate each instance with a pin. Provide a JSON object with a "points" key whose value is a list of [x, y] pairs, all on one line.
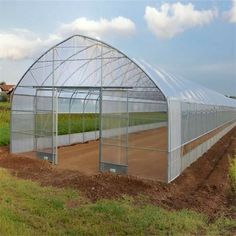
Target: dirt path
{"points": [[202, 187]]}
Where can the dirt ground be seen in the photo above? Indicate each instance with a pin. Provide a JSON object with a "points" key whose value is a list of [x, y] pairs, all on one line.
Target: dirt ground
{"points": [[142, 154], [202, 187]]}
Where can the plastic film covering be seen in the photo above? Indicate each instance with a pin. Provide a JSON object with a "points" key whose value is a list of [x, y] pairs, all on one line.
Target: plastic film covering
{"points": [[134, 135], [114, 131], [148, 145], [127, 101], [199, 119], [195, 113], [46, 106]]}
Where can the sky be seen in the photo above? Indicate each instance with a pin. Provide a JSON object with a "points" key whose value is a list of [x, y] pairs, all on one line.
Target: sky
{"points": [[195, 40]]}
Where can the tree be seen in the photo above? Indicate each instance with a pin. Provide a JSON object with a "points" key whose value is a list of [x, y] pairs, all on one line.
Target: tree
{"points": [[3, 83], [3, 97]]}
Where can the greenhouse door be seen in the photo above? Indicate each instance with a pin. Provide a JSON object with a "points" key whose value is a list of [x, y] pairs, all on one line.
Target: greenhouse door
{"points": [[114, 131], [45, 117]]}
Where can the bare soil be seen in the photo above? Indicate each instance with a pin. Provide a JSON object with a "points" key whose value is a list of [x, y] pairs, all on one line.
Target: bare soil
{"points": [[143, 158], [202, 187]]}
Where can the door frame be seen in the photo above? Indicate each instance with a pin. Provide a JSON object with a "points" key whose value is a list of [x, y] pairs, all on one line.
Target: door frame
{"points": [[45, 153], [110, 166]]}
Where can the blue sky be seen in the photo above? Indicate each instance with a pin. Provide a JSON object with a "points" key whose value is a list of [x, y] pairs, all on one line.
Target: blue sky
{"points": [[193, 39]]}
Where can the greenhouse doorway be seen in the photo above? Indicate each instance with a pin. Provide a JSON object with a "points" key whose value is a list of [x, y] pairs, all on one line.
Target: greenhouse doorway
{"points": [[114, 131], [45, 124], [86, 131], [78, 129]]}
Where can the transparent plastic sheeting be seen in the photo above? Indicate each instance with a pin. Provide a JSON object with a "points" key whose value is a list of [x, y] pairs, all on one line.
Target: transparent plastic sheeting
{"points": [[193, 111], [142, 152], [144, 119], [45, 115], [176, 88], [199, 119]]}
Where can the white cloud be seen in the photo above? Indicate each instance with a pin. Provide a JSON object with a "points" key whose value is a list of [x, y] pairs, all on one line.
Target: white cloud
{"points": [[172, 19], [21, 43], [18, 44], [120, 26], [231, 14]]}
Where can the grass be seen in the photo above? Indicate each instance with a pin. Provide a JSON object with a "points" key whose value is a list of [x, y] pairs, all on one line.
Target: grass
{"points": [[26, 208], [4, 123], [76, 123], [232, 174], [5, 105]]}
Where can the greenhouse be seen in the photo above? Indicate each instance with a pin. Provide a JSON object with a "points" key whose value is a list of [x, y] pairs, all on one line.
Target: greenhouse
{"points": [[84, 105]]}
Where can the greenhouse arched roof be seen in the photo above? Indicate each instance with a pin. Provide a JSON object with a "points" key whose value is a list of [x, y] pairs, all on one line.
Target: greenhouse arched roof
{"points": [[184, 90], [76, 62]]}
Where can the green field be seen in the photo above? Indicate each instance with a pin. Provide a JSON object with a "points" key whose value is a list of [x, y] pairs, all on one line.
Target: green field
{"points": [[4, 123], [76, 123], [26, 208]]}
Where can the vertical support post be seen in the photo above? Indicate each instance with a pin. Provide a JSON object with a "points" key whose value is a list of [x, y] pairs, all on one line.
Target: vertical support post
{"points": [[70, 108], [54, 128], [100, 112], [84, 106], [169, 168], [127, 127], [96, 118], [83, 118], [69, 126], [35, 120]]}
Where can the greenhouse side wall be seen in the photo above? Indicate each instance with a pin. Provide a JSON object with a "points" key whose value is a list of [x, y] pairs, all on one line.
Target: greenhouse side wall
{"points": [[174, 139], [199, 150], [193, 129]]}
